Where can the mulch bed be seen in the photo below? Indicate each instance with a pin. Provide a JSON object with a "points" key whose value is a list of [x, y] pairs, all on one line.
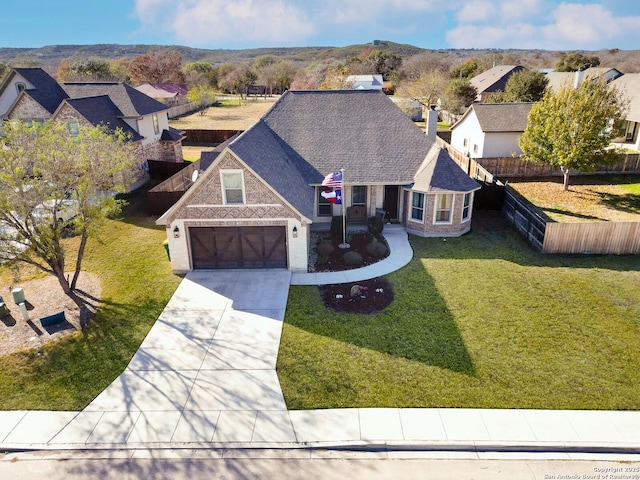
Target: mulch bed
{"points": [[376, 295], [357, 242], [368, 296]]}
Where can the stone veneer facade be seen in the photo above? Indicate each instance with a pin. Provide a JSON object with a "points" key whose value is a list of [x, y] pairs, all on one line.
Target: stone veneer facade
{"points": [[262, 206], [28, 109], [430, 229]]}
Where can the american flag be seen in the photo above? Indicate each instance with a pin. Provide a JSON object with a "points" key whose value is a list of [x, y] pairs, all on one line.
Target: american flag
{"points": [[333, 180]]}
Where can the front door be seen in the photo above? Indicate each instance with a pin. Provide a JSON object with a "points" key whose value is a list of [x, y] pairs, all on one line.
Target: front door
{"points": [[390, 202]]}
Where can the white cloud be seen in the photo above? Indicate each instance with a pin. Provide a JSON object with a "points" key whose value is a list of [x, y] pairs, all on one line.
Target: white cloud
{"points": [[555, 27], [233, 23], [226, 22]]}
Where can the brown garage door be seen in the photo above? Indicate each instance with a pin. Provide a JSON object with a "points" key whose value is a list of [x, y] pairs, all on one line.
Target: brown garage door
{"points": [[238, 247]]}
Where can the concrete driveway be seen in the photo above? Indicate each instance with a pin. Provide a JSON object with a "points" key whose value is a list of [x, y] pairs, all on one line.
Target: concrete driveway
{"points": [[206, 367]]}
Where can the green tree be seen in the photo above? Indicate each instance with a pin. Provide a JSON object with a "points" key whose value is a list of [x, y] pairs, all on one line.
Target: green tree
{"points": [[573, 128], [201, 73], [526, 86], [237, 79], [90, 68], [382, 62], [45, 172], [202, 95], [573, 62], [523, 86], [459, 95], [465, 70]]}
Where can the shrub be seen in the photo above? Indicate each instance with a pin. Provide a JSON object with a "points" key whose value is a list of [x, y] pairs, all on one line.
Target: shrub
{"points": [[377, 249], [336, 226], [325, 249], [375, 225], [322, 260], [352, 258]]}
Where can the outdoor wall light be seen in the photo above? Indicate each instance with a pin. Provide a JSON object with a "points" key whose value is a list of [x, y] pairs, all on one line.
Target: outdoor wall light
{"points": [[176, 232], [295, 232]]}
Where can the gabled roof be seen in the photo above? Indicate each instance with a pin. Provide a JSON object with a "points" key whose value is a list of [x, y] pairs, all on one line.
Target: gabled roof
{"points": [[162, 90], [102, 111], [279, 165], [172, 135], [361, 131], [46, 91], [130, 101], [494, 79], [499, 117], [440, 174], [629, 85], [557, 80], [308, 134]]}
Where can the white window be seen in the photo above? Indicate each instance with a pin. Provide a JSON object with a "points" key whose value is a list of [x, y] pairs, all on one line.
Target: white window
{"points": [[417, 206], [74, 129], [325, 207], [466, 207], [443, 207], [156, 125], [233, 187], [358, 195], [20, 87]]}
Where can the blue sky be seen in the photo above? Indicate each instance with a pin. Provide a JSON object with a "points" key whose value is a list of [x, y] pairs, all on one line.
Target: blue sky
{"points": [[232, 24]]}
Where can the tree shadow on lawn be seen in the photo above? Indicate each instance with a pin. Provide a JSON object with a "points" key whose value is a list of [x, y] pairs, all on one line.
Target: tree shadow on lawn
{"points": [[629, 202], [417, 326]]}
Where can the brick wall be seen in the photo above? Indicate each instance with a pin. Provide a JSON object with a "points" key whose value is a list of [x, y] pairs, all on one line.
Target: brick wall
{"points": [[28, 109], [430, 229]]}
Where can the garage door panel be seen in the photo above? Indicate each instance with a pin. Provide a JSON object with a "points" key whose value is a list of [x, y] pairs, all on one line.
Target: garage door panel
{"points": [[238, 247], [227, 247], [203, 251]]}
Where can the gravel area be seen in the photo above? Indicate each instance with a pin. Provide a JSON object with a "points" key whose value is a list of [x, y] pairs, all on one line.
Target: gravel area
{"points": [[45, 297]]}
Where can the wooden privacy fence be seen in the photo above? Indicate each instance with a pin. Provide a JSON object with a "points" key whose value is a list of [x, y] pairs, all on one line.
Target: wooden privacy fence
{"points": [[161, 197], [516, 167], [581, 238], [592, 237], [527, 222], [207, 137]]}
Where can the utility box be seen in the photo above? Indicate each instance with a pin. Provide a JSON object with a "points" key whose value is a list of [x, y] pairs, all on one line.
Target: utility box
{"points": [[18, 295]]}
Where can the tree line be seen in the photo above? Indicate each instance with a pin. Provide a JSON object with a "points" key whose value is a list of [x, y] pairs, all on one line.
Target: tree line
{"points": [[429, 76]]}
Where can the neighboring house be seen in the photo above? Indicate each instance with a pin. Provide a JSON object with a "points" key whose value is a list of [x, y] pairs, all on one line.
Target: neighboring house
{"points": [[255, 205], [365, 82], [490, 130], [629, 85], [30, 94], [559, 79], [168, 93], [493, 80]]}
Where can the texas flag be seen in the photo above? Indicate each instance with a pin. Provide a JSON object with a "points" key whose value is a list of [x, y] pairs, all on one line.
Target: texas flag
{"points": [[334, 196]]}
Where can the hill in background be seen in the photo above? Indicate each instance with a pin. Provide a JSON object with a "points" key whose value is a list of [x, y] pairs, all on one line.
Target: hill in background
{"points": [[49, 57]]}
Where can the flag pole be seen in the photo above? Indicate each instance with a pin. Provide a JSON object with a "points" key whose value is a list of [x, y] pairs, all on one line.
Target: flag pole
{"points": [[344, 243]]}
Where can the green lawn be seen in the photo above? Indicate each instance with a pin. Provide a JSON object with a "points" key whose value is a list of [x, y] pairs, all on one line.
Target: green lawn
{"points": [[478, 321], [137, 282]]}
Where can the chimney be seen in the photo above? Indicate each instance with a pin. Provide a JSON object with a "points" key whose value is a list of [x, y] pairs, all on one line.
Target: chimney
{"points": [[432, 123]]}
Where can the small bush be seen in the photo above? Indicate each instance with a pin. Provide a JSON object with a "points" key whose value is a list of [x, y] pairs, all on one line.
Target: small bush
{"points": [[322, 260], [325, 249], [377, 249], [352, 258], [375, 225]]}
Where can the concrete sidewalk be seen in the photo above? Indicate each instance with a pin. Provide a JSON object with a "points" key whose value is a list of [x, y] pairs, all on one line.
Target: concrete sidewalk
{"points": [[400, 254], [205, 377]]}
